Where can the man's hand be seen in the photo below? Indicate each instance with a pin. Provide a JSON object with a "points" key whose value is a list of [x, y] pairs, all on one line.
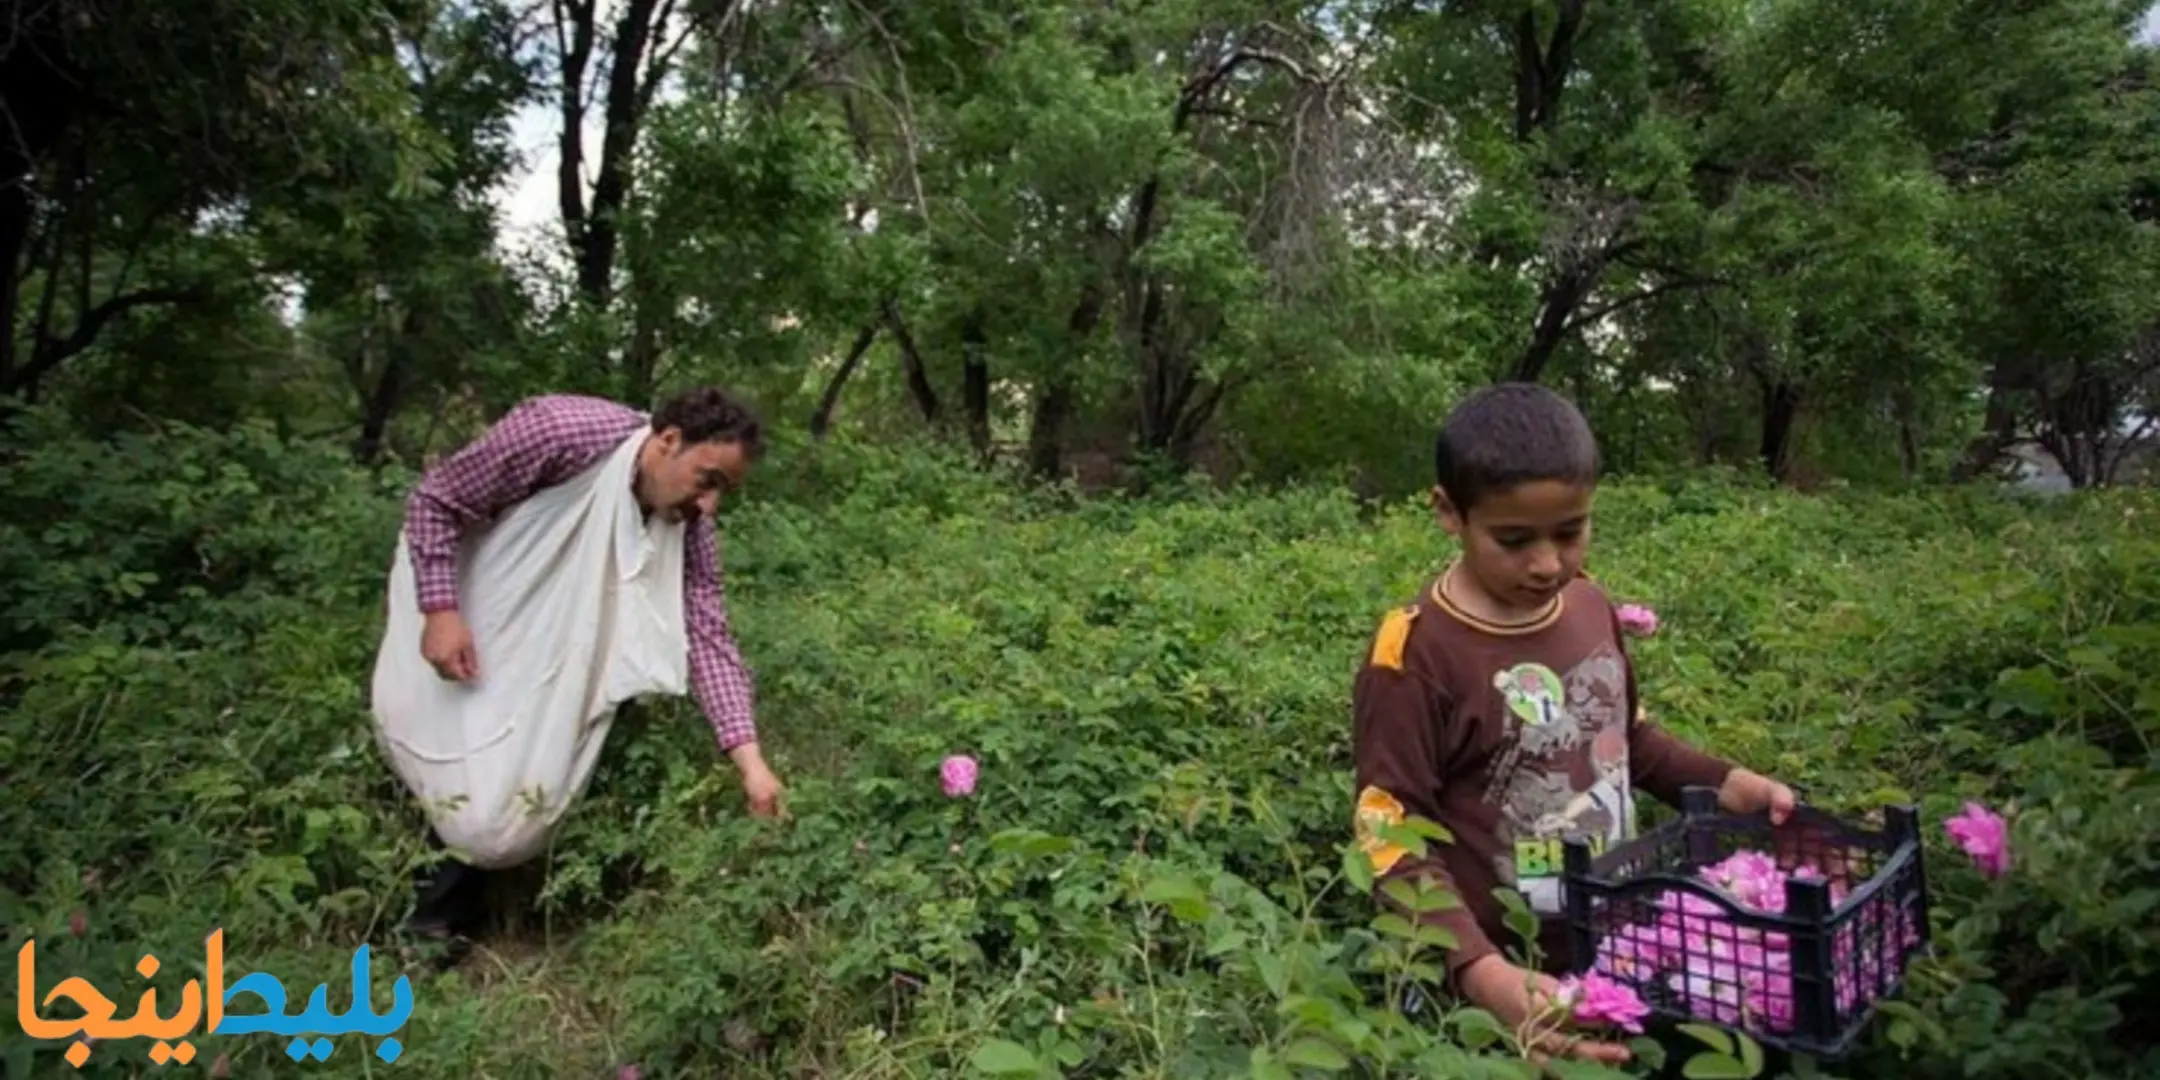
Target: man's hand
{"points": [[1515, 995], [447, 644], [760, 787], [1749, 792]]}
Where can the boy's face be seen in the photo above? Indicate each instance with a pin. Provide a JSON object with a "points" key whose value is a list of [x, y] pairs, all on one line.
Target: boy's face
{"points": [[1522, 545]]}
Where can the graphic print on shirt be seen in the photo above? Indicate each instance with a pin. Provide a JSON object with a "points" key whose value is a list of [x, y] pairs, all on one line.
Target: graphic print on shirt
{"points": [[1580, 720]]}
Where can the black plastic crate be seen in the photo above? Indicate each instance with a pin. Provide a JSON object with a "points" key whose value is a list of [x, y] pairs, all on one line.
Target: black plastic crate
{"points": [[1798, 968]]}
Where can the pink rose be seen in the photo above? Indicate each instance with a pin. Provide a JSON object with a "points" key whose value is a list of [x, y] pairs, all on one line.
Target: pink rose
{"points": [[1638, 620], [1984, 836], [958, 772], [1751, 878], [1596, 999]]}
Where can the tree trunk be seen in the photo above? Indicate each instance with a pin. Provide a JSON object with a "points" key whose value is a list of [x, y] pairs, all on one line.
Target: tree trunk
{"points": [[389, 389], [1908, 437], [625, 113], [1998, 427], [975, 384], [1054, 399], [918, 377], [1542, 68], [1781, 411], [595, 232], [821, 420], [652, 317], [1046, 428], [1557, 301], [38, 86]]}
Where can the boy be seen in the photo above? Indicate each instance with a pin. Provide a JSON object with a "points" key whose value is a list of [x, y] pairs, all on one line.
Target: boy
{"points": [[1499, 704]]}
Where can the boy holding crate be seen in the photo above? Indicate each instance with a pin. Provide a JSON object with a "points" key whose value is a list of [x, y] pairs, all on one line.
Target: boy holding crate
{"points": [[1502, 705]]}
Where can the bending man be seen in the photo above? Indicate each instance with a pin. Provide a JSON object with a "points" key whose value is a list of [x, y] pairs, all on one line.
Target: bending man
{"points": [[576, 511]]}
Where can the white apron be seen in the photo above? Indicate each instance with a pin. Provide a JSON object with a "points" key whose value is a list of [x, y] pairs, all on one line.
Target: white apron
{"points": [[575, 605]]}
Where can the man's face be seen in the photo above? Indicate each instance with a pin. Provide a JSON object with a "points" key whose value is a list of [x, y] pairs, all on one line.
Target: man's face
{"points": [[1523, 545], [677, 481]]}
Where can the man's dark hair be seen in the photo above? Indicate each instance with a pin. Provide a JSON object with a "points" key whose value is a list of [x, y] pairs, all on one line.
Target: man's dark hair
{"points": [[708, 414], [1509, 434]]}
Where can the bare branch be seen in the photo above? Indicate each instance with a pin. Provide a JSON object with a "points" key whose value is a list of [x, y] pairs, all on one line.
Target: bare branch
{"points": [[664, 58], [51, 352], [1200, 86], [1586, 316], [903, 113]]}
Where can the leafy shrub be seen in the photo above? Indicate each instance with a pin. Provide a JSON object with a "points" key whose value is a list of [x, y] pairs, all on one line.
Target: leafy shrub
{"points": [[2054, 966], [1149, 879]]}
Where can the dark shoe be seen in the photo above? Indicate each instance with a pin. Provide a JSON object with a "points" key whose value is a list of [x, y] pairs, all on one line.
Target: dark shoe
{"points": [[449, 899], [435, 952]]}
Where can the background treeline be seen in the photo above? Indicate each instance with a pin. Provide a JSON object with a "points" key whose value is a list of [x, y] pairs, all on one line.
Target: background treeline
{"points": [[1813, 238]]}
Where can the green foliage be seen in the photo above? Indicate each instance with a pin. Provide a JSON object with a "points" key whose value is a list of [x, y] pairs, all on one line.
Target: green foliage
{"points": [[2052, 966], [1151, 879], [1271, 241], [1250, 237]]}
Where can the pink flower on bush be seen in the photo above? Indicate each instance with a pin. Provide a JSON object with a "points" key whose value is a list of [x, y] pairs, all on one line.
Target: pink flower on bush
{"points": [[958, 772], [1984, 836], [1595, 999], [1638, 620]]}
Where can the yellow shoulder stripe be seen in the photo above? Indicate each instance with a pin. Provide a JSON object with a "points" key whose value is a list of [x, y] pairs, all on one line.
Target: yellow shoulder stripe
{"points": [[1375, 808], [1387, 648]]}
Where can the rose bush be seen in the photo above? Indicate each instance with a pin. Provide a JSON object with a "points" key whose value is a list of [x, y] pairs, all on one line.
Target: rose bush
{"points": [[1154, 694]]}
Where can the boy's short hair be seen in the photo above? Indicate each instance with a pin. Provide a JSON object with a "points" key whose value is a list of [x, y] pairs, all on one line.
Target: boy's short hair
{"points": [[1508, 434]]}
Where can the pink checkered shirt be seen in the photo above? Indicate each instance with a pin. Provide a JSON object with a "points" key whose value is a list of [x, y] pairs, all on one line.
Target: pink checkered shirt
{"points": [[542, 442]]}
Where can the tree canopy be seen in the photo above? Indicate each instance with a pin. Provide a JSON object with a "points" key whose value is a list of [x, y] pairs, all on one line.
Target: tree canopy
{"points": [[1820, 239]]}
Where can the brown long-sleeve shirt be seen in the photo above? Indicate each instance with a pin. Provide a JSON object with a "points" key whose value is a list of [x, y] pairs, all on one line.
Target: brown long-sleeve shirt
{"points": [[1513, 739]]}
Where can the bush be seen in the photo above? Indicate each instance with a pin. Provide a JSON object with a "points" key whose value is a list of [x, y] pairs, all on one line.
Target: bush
{"points": [[1150, 879]]}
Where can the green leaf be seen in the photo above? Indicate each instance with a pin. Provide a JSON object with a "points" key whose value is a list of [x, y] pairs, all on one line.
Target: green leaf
{"points": [[1265, 1067], [1751, 1055], [1030, 843], [1229, 940], [1902, 1034], [1393, 925], [1478, 1029], [1316, 1054], [1437, 937], [1649, 1051], [1566, 1069], [1712, 1037], [1357, 870], [1420, 897], [1712, 1066], [1432, 829], [1000, 1057], [1181, 895]]}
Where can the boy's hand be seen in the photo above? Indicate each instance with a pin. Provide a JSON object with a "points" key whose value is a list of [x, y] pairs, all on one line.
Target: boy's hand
{"points": [[1514, 995], [1749, 792]]}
